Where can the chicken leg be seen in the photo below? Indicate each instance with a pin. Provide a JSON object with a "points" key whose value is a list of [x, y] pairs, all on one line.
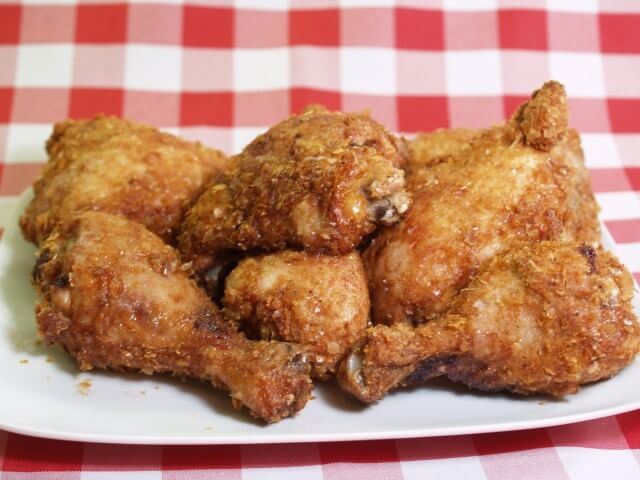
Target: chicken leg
{"points": [[541, 318], [114, 296]]}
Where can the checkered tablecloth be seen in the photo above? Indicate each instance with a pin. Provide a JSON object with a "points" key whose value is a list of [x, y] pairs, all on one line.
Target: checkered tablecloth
{"points": [[222, 71]]}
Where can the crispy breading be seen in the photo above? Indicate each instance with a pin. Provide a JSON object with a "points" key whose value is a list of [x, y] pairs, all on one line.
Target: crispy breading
{"points": [[319, 302], [114, 296], [544, 120], [119, 167], [474, 204], [430, 148], [320, 181], [543, 317]]}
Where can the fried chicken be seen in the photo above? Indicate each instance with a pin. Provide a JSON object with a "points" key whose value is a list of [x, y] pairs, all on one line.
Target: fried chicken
{"points": [[319, 302], [119, 167], [114, 296], [524, 180], [430, 148], [321, 181], [543, 317]]}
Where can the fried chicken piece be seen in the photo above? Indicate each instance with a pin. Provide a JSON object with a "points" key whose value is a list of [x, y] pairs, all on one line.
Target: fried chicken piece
{"points": [[114, 296], [321, 181], [119, 167], [474, 204], [542, 318], [431, 148], [319, 302]]}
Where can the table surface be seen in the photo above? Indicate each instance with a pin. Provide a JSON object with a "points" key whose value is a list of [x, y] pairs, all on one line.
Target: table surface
{"points": [[222, 71]]}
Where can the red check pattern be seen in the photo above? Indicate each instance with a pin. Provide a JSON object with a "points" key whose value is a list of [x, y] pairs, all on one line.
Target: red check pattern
{"points": [[222, 71]]}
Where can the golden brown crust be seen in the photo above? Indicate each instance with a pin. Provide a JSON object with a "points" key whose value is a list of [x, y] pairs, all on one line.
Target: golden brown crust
{"points": [[544, 119], [119, 167], [319, 302], [543, 317], [321, 181], [431, 148], [467, 208], [115, 296]]}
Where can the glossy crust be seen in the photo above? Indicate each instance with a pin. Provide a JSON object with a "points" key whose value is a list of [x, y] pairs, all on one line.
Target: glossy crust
{"points": [[119, 167], [542, 318], [320, 181], [114, 296], [474, 204], [319, 302]]}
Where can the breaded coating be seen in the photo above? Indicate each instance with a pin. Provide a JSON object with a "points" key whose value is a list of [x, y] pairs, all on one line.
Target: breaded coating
{"points": [[544, 318], [114, 296], [320, 181], [471, 206], [544, 120], [319, 302], [119, 167], [430, 148]]}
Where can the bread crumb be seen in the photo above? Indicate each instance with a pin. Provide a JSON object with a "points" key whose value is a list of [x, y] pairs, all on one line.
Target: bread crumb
{"points": [[84, 386]]}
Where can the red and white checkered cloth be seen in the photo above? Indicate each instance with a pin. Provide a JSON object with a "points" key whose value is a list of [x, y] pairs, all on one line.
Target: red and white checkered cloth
{"points": [[222, 71]]}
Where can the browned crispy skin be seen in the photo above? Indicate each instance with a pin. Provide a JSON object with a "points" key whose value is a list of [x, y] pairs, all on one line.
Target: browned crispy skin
{"points": [[543, 121], [544, 317], [431, 148], [320, 181], [319, 302], [473, 204], [114, 296], [119, 167]]}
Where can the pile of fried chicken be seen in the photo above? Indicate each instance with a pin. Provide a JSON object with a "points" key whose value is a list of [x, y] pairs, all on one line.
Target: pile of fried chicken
{"points": [[330, 248]]}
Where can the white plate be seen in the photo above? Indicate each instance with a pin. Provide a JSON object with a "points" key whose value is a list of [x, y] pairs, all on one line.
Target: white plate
{"points": [[44, 394]]}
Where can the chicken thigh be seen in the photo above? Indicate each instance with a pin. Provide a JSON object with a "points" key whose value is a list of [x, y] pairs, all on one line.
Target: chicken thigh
{"points": [[114, 296], [524, 180], [543, 317], [319, 302], [321, 181], [119, 167], [430, 148]]}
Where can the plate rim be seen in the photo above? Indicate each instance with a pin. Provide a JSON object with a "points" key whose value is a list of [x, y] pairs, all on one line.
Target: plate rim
{"points": [[294, 438]]}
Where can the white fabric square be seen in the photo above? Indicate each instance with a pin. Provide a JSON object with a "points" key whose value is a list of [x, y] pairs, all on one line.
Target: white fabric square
{"points": [[618, 205], [473, 72], [242, 136], [460, 467], [261, 4], [628, 255], [49, 2], [600, 150], [309, 472], [25, 143], [470, 5], [368, 70], [260, 69], [628, 148], [44, 65], [156, 68], [134, 475], [219, 138], [598, 464], [581, 73], [582, 6], [367, 3]]}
